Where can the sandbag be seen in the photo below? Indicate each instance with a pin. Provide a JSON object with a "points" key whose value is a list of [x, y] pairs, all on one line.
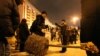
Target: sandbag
{"points": [[37, 45]]}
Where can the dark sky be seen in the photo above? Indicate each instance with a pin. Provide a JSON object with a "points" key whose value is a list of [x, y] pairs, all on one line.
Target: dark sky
{"points": [[59, 9]]}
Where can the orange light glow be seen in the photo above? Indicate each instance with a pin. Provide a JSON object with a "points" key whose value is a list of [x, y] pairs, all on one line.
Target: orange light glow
{"points": [[75, 19]]}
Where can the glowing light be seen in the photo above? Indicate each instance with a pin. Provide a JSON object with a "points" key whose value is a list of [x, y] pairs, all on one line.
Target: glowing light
{"points": [[75, 19]]}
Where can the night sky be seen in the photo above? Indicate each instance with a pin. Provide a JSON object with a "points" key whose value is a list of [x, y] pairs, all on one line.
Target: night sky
{"points": [[59, 9]]}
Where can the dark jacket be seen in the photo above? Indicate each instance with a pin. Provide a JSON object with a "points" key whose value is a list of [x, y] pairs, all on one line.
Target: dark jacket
{"points": [[23, 31], [64, 33], [38, 25], [63, 28], [9, 17]]}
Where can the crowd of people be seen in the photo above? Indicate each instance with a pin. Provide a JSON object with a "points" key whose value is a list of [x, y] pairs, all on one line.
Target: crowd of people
{"points": [[72, 33], [10, 23], [64, 33]]}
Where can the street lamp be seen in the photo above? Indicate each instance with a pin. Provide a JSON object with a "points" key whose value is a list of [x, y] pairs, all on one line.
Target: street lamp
{"points": [[75, 20]]}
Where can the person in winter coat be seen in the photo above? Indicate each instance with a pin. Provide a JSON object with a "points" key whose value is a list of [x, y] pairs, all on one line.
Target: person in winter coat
{"points": [[64, 35], [39, 24], [23, 33], [9, 21]]}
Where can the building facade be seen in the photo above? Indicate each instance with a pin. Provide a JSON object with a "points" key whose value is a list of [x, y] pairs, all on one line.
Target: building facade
{"points": [[28, 11]]}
